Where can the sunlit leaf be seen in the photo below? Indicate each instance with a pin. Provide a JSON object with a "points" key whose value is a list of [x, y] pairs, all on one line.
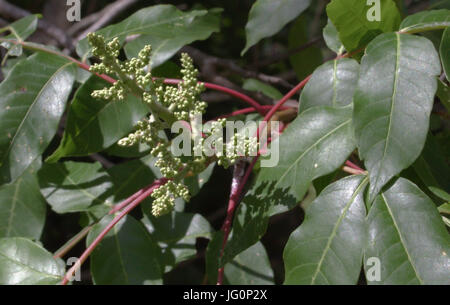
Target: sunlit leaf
{"points": [[23, 262], [407, 235], [328, 246], [393, 102], [32, 98]]}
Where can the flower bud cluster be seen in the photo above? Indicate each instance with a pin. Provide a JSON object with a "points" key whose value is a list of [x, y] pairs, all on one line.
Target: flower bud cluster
{"points": [[164, 197], [237, 147], [182, 101], [128, 71]]}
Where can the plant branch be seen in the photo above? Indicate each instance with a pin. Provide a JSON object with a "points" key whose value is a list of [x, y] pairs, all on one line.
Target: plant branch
{"points": [[353, 171], [238, 176], [353, 165], [72, 242], [264, 108], [101, 18], [69, 274], [15, 12]]}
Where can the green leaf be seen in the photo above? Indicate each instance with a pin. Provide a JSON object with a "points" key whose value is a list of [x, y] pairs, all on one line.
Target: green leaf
{"points": [[94, 124], [445, 208], [10, 63], [268, 17], [77, 186], [167, 42], [445, 50], [331, 37], [407, 235], [431, 166], [332, 84], [32, 98], [129, 177], [19, 30], [440, 193], [212, 257], [177, 233], [22, 208], [393, 102], [328, 246], [351, 19], [249, 225], [163, 25], [74, 186], [22, 28], [251, 267], [23, 262], [127, 255], [258, 86], [426, 21], [305, 61], [305, 153], [443, 94]]}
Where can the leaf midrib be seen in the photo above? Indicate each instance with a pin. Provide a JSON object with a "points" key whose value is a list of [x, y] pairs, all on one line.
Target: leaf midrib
{"points": [[309, 148], [13, 206], [29, 267], [11, 143], [401, 238], [393, 98], [336, 226], [138, 29]]}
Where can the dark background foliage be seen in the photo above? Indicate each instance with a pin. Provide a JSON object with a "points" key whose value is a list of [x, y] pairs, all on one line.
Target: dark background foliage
{"points": [[274, 56]]}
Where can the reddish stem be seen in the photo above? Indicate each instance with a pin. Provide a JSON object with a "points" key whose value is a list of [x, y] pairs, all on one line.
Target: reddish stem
{"points": [[352, 170], [353, 165], [264, 108], [237, 187], [238, 176], [284, 100], [127, 201], [105, 231], [238, 194]]}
